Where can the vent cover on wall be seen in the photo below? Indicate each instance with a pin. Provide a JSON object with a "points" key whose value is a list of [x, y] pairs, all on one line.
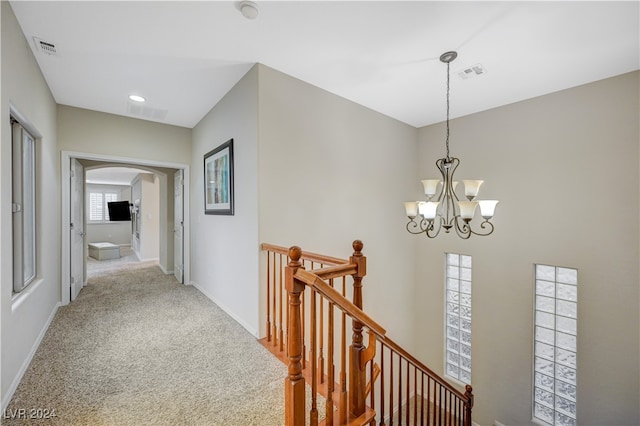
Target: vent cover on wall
{"points": [[44, 47]]}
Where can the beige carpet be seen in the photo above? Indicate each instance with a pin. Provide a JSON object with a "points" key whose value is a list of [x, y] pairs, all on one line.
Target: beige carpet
{"points": [[137, 348]]}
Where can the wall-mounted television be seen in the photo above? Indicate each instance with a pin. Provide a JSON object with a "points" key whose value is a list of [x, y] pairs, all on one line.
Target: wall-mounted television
{"points": [[119, 211]]}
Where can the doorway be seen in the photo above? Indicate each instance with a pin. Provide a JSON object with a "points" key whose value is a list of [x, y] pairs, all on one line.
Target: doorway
{"points": [[166, 174]]}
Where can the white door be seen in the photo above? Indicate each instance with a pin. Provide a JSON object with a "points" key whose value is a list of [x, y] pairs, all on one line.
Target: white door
{"points": [[178, 226], [77, 228]]}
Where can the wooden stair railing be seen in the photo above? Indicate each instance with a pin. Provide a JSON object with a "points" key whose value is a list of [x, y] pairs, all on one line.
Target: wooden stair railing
{"points": [[407, 392]]}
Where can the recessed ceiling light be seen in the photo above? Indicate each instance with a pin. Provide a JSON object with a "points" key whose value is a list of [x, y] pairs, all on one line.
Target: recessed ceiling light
{"points": [[248, 9], [137, 98]]}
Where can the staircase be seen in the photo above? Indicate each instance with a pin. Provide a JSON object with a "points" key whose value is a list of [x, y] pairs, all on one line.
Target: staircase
{"points": [[312, 300]]}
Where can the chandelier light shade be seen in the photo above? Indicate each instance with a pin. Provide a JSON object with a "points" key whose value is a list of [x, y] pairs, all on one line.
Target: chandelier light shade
{"points": [[442, 208]]}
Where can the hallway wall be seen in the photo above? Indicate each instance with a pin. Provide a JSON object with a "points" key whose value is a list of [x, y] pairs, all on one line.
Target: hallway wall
{"points": [[24, 317], [224, 260]]}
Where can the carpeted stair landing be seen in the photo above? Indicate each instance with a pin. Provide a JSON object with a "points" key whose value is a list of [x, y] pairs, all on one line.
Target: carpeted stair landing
{"points": [[137, 348]]}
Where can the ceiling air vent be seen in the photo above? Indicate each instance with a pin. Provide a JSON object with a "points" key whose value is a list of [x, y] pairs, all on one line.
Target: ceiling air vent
{"points": [[45, 47], [472, 72]]}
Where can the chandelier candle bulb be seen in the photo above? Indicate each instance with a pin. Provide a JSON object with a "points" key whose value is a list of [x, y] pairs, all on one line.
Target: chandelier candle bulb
{"points": [[428, 209], [471, 188], [411, 208], [487, 208], [467, 209], [430, 187]]}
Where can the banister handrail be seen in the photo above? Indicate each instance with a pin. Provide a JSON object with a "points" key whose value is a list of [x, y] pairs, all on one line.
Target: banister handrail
{"points": [[312, 257], [336, 271], [313, 280]]}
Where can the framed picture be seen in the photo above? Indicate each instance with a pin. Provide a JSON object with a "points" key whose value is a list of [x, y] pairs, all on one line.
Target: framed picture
{"points": [[218, 180]]}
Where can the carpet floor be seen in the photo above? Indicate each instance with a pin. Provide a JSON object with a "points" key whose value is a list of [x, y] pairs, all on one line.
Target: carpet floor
{"points": [[138, 348]]}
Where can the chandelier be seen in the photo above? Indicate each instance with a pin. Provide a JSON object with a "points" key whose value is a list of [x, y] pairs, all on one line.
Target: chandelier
{"points": [[446, 211]]}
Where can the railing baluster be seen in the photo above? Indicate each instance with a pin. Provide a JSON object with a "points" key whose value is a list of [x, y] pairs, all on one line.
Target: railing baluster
{"points": [[330, 367], [281, 339], [422, 399], [415, 394], [382, 392], [304, 327], [391, 388], [408, 403], [286, 313], [273, 303], [399, 390], [269, 295], [343, 361], [428, 398], [320, 346], [313, 417]]}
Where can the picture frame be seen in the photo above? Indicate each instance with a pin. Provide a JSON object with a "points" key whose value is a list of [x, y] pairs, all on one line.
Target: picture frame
{"points": [[218, 180]]}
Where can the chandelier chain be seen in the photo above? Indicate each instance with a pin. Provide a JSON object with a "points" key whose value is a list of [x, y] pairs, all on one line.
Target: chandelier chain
{"points": [[447, 140]]}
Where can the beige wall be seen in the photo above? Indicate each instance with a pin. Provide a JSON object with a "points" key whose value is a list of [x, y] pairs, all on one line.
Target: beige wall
{"points": [[225, 249], [93, 132], [330, 172], [24, 318], [565, 168]]}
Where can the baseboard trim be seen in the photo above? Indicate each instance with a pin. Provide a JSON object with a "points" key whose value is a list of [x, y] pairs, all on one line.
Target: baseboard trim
{"points": [[162, 268], [226, 309], [23, 369]]}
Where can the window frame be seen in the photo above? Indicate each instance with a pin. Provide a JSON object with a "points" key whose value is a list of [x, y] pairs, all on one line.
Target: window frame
{"points": [[547, 374], [456, 287], [24, 217]]}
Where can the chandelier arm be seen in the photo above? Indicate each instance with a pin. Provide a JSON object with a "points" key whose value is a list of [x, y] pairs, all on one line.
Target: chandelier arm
{"points": [[463, 230], [433, 229], [483, 225], [416, 228]]}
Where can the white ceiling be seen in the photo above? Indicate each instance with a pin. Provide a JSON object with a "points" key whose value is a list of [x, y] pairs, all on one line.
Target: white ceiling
{"points": [[185, 56]]}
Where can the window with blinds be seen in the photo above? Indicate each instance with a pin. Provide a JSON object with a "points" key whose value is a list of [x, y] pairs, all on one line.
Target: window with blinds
{"points": [[98, 210]]}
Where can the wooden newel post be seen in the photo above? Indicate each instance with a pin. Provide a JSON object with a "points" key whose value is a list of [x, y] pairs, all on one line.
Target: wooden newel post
{"points": [[357, 373], [469, 395], [294, 384]]}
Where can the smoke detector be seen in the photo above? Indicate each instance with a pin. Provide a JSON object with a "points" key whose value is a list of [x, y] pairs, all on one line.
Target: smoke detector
{"points": [[248, 9], [472, 72], [44, 46]]}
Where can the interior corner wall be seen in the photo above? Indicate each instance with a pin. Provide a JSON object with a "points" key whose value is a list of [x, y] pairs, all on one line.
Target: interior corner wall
{"points": [[225, 248], [565, 168], [24, 318], [330, 172]]}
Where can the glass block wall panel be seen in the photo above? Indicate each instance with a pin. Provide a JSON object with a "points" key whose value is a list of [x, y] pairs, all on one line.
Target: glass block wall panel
{"points": [[555, 345], [458, 317]]}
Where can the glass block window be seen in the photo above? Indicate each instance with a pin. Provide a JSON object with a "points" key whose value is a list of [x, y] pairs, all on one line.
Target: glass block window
{"points": [[458, 317], [555, 347]]}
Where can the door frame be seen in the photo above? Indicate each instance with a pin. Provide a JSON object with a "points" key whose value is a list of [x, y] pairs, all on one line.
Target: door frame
{"points": [[65, 244], [82, 225]]}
